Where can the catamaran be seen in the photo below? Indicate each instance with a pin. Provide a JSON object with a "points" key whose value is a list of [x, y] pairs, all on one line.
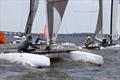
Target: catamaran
{"points": [[54, 13]]}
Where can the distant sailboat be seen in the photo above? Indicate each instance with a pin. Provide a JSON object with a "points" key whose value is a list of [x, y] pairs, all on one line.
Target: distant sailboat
{"points": [[114, 22]]}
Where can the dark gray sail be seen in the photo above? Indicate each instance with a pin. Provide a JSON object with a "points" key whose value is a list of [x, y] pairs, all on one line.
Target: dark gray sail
{"points": [[60, 5], [99, 27], [32, 13]]}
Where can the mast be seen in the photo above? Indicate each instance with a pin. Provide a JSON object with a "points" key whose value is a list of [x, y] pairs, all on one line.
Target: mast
{"points": [[32, 13], [111, 22]]}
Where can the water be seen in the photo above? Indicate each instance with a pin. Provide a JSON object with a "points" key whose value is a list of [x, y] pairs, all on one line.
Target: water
{"points": [[65, 69]]}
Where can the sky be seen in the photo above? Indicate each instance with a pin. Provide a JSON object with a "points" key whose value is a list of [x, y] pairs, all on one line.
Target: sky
{"points": [[80, 16]]}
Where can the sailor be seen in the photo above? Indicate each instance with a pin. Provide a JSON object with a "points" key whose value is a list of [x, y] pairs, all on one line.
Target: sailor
{"points": [[47, 47], [88, 41], [23, 38], [38, 38], [105, 43], [24, 46]]}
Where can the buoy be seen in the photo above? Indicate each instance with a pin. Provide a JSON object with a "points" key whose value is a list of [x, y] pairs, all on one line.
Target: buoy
{"points": [[3, 39]]}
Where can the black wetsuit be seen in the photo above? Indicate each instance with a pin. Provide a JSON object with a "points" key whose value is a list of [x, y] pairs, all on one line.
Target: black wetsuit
{"points": [[24, 46]]}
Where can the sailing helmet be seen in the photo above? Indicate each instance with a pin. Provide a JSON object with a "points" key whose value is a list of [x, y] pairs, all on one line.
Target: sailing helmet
{"points": [[88, 37], [23, 37]]}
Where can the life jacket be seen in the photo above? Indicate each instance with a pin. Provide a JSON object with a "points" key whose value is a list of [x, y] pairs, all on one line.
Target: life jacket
{"points": [[3, 39], [88, 41]]}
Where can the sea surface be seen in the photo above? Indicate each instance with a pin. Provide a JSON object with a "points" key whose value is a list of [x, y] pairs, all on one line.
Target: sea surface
{"points": [[63, 68]]}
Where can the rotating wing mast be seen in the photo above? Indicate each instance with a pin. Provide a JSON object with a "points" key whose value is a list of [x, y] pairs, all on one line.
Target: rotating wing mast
{"points": [[32, 13]]}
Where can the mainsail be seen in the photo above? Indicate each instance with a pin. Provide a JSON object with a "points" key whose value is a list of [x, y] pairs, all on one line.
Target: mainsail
{"points": [[115, 19], [55, 11], [32, 13], [99, 27]]}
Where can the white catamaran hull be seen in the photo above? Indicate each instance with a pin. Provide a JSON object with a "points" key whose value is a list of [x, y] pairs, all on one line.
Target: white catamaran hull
{"points": [[33, 60], [86, 57]]}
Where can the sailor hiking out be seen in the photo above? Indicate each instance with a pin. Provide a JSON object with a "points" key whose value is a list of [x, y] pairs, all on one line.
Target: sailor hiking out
{"points": [[24, 46]]}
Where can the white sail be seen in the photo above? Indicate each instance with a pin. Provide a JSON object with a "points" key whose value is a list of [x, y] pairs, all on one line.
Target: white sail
{"points": [[99, 27], [56, 24], [116, 20], [55, 11]]}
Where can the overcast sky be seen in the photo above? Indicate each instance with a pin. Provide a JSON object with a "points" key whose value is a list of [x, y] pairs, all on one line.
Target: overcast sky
{"points": [[80, 16]]}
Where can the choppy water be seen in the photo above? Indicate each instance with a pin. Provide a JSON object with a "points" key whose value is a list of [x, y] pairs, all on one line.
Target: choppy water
{"points": [[65, 69]]}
